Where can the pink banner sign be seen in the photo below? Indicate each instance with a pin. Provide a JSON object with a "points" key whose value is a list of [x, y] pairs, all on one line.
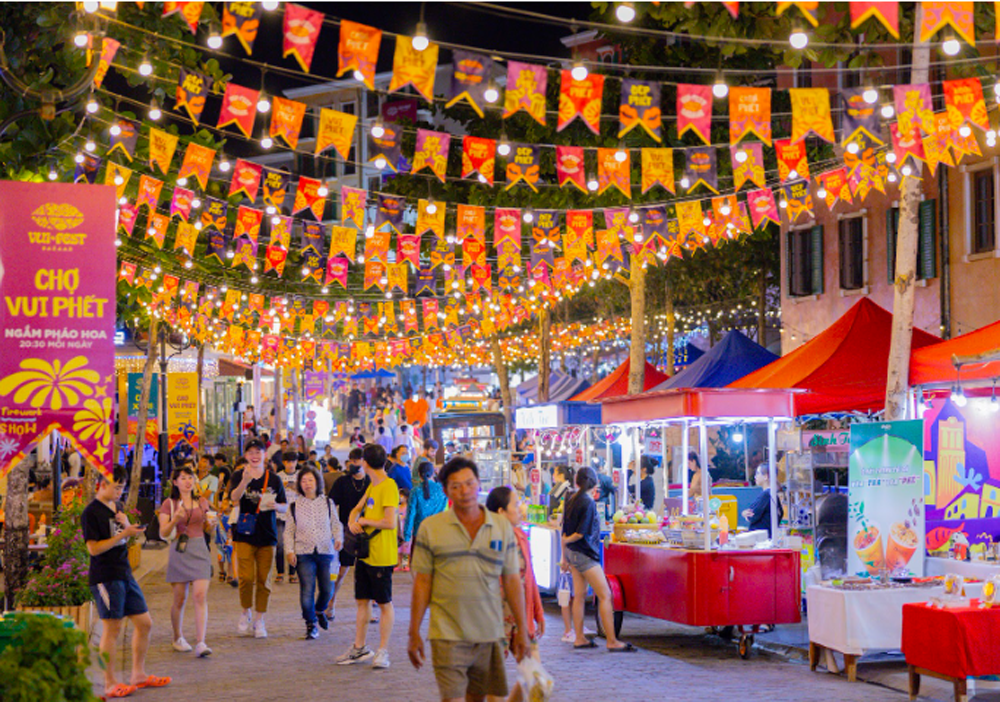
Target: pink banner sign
{"points": [[57, 355]]}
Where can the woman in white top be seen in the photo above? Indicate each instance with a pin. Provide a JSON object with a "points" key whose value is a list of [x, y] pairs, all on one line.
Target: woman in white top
{"points": [[313, 534]]}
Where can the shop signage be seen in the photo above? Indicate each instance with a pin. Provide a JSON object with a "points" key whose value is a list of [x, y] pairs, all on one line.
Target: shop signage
{"points": [[837, 440], [885, 523], [57, 355], [539, 417], [182, 409]]}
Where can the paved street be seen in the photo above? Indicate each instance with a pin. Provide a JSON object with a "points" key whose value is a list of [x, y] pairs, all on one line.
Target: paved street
{"points": [[675, 663]]}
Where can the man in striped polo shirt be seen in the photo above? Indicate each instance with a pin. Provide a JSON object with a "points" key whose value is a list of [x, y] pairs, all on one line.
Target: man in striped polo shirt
{"points": [[461, 558]]}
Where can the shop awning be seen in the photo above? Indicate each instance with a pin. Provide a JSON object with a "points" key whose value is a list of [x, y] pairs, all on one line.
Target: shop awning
{"points": [[692, 403], [616, 383], [562, 386], [729, 360], [932, 364], [230, 367], [843, 367]]}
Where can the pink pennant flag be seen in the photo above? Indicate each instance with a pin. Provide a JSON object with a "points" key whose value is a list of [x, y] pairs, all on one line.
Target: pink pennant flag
{"points": [[762, 207]]}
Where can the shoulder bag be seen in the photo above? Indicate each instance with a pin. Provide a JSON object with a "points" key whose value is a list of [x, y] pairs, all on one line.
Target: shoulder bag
{"points": [[359, 545], [246, 525]]}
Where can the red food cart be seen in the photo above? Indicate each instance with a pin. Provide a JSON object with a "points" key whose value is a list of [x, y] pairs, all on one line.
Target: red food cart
{"points": [[725, 589]]}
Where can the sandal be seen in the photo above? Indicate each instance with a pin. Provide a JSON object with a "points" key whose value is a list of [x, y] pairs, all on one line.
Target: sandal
{"points": [[154, 681], [280, 579], [293, 580], [627, 648], [589, 644], [118, 691]]}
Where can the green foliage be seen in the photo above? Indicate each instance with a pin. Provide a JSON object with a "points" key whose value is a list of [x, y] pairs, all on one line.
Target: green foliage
{"points": [[45, 661], [62, 579]]}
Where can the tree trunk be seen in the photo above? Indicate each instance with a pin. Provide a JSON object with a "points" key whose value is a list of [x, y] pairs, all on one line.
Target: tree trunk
{"points": [[596, 360], [637, 351], [671, 326], [762, 308], [15, 553], [545, 353], [140, 438], [904, 295], [503, 377], [202, 441]]}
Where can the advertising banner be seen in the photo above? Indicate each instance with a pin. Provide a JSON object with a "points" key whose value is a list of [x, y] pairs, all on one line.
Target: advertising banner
{"points": [[57, 356], [182, 409], [133, 395], [885, 522]]}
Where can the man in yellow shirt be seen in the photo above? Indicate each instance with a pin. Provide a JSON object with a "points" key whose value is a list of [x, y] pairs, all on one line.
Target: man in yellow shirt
{"points": [[375, 515]]}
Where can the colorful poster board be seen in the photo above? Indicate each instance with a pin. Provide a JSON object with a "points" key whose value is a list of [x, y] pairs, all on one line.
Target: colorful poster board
{"points": [[182, 409], [133, 395], [885, 522], [57, 354]]}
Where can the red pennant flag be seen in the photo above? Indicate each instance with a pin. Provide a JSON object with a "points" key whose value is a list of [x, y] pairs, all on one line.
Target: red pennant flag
{"points": [[479, 156], [570, 166], [885, 12], [246, 179], [408, 248], [583, 98], [239, 107], [308, 198], [301, 29]]}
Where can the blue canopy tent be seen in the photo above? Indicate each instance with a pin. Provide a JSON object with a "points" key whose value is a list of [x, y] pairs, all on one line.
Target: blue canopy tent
{"points": [[683, 356], [729, 360], [368, 375], [562, 386]]}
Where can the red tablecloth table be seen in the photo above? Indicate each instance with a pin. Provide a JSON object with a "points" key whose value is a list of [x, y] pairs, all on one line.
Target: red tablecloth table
{"points": [[952, 644]]}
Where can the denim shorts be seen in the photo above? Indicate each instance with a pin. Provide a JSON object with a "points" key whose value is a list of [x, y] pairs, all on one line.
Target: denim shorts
{"points": [[118, 599], [580, 561]]}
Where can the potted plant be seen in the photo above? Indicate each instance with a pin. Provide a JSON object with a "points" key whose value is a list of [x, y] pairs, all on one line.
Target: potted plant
{"points": [[60, 586], [43, 659]]}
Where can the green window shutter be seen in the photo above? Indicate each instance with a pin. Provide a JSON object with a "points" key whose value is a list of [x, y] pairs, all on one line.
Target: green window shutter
{"points": [[891, 232], [927, 250], [816, 250]]}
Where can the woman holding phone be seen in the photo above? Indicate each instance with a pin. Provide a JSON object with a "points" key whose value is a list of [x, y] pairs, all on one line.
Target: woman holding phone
{"points": [[184, 519]]}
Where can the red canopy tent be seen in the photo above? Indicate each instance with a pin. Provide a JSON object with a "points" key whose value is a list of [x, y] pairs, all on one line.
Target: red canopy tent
{"points": [[844, 367], [932, 364], [617, 383]]}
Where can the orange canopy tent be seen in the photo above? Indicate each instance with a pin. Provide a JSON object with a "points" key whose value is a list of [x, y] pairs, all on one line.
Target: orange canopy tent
{"points": [[617, 383], [843, 367], [932, 364]]}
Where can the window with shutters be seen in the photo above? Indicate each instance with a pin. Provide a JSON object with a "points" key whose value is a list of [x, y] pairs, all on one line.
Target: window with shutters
{"points": [[983, 212], [852, 253], [805, 261], [926, 241]]}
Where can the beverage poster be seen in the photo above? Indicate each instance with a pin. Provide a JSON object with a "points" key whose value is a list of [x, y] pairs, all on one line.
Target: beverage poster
{"points": [[182, 409], [885, 523]]}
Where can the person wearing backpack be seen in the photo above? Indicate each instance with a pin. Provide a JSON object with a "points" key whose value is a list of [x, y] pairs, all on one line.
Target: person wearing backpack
{"points": [[312, 536]]}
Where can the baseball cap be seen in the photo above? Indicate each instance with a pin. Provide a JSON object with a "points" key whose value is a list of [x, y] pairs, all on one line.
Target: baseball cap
{"points": [[252, 444]]}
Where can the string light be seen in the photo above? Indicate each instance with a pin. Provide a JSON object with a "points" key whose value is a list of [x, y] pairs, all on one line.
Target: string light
{"points": [[741, 156], [263, 103], [890, 157], [224, 165], [79, 158], [621, 155], [431, 207], [81, 39], [91, 6], [720, 89], [888, 111], [905, 170], [625, 12], [378, 129], [852, 147], [685, 182], [381, 163], [214, 40], [359, 76], [115, 129], [420, 40], [870, 96], [799, 39], [154, 110], [592, 184], [579, 71], [529, 216], [951, 46], [53, 174], [492, 94], [322, 190], [964, 131], [93, 105], [270, 5], [821, 193], [145, 68], [90, 145], [266, 141], [504, 147]]}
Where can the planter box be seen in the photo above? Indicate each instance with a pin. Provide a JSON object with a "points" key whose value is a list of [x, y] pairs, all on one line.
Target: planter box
{"points": [[81, 615]]}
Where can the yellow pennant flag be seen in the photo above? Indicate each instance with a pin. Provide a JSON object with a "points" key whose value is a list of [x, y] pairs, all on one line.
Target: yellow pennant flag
{"points": [[413, 67], [162, 146], [115, 171], [430, 221], [336, 129], [690, 217], [658, 169], [811, 113]]}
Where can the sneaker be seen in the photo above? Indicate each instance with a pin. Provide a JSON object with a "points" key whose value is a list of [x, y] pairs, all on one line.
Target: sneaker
{"points": [[587, 632], [202, 650], [259, 630], [181, 645], [381, 659], [323, 622], [244, 626], [374, 619], [355, 655], [568, 637], [312, 632]]}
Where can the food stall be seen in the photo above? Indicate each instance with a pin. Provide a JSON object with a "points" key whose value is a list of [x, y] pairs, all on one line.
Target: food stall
{"points": [[700, 582]]}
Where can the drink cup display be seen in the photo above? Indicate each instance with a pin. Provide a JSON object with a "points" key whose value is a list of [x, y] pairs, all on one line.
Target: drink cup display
{"points": [[868, 545], [902, 544]]}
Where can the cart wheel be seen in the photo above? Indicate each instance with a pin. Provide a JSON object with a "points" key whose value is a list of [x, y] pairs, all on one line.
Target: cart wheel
{"points": [[619, 617], [746, 643], [725, 632]]}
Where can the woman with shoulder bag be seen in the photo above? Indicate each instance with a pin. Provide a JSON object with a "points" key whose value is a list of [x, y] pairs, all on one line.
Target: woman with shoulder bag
{"points": [[313, 534], [184, 520]]}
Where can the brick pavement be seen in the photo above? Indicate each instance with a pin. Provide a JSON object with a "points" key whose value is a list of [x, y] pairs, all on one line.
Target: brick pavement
{"points": [[675, 663]]}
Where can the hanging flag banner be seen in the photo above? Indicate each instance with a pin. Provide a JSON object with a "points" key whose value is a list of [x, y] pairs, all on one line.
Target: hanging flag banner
{"points": [[749, 113], [690, 219], [245, 252], [887, 13], [286, 120], [389, 211], [425, 281], [185, 238], [157, 228], [274, 184], [243, 20], [526, 85], [162, 146], [807, 7], [281, 231], [751, 168], [336, 129], [408, 310], [198, 163], [905, 146], [386, 147], [570, 166], [109, 47], [375, 275], [614, 173], [654, 222], [479, 156], [580, 98], [313, 266], [811, 113], [965, 146], [190, 11], [352, 206], [408, 249], [507, 227], [149, 192], [430, 221], [957, 15], [580, 229], [431, 152], [523, 165], [694, 110], [239, 107], [943, 136], [274, 260], [336, 270], [470, 76], [246, 179], [442, 254], [343, 240], [358, 50], [192, 89], [127, 273], [412, 67], [860, 119], [965, 103], [835, 184], [763, 208], [213, 216], [509, 276], [308, 198], [914, 108], [430, 308], [248, 221], [125, 140], [127, 215], [180, 203], [313, 236], [471, 232], [640, 106], [799, 200], [301, 31], [217, 243], [87, 171], [792, 162], [658, 169], [115, 172], [701, 169], [398, 279]]}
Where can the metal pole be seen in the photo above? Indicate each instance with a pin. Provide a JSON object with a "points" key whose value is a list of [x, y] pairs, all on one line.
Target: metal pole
{"points": [[706, 478], [772, 474], [685, 449], [538, 465], [164, 442], [663, 466]]}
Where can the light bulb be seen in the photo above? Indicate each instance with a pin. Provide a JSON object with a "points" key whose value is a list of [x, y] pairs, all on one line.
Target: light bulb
{"points": [[491, 94], [529, 216], [115, 129], [254, 280], [625, 12], [378, 131], [592, 184], [196, 203], [821, 193], [81, 39], [90, 145], [793, 174], [270, 5], [725, 210], [892, 178], [431, 208], [189, 263], [852, 147], [263, 104], [961, 400], [783, 203], [420, 41], [214, 40], [738, 437], [799, 39], [123, 201], [991, 134], [905, 170], [890, 157], [271, 209], [685, 182], [359, 76], [741, 156], [119, 180], [118, 242], [224, 165], [198, 225], [579, 71], [621, 155], [154, 111], [93, 105], [91, 6], [888, 111], [145, 68], [370, 231], [322, 191], [79, 158], [950, 46], [381, 163], [707, 221], [504, 148], [53, 175], [964, 131], [267, 142], [720, 89], [633, 216], [275, 221]]}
